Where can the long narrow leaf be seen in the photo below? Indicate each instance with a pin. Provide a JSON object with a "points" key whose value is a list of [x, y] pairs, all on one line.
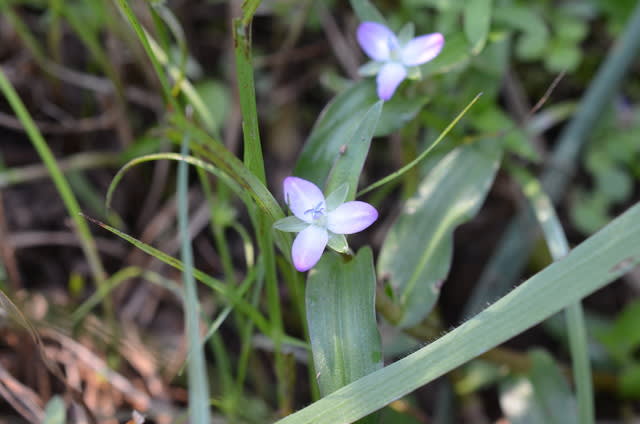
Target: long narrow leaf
{"points": [[416, 255], [197, 368], [73, 208]]}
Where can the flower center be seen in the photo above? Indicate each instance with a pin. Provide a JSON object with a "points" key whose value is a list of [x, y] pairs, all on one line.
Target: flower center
{"points": [[394, 49], [317, 212]]}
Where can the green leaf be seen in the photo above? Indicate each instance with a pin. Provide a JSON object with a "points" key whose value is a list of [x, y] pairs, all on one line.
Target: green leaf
{"points": [[196, 366], [416, 255], [338, 242], [398, 111], [623, 338], [476, 21], [349, 163], [615, 183], [562, 56], [407, 33], [340, 299], [216, 98], [55, 412], [629, 383], [370, 68], [337, 197], [290, 224], [542, 396], [367, 11], [599, 260], [334, 130]]}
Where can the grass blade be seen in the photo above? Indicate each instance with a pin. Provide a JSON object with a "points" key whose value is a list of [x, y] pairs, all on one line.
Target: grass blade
{"points": [[197, 369], [244, 69], [73, 208]]}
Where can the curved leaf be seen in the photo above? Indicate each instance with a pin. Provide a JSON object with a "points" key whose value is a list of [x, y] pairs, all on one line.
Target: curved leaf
{"points": [[416, 255]]}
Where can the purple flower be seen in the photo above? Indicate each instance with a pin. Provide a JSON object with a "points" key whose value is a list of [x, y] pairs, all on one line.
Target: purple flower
{"points": [[321, 221], [394, 58]]}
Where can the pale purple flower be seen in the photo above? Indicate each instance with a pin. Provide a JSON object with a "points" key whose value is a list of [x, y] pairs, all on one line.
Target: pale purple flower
{"points": [[395, 57], [321, 221]]}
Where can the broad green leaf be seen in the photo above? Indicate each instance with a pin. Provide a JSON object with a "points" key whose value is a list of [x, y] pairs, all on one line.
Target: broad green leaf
{"points": [[367, 11], [541, 396], [416, 255], [55, 412], [598, 261], [334, 129], [340, 299], [476, 21], [349, 163]]}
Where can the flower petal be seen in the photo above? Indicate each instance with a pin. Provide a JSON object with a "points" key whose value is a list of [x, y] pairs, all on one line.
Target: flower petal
{"points": [[389, 77], [422, 49], [376, 40], [308, 247], [301, 196], [351, 217]]}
